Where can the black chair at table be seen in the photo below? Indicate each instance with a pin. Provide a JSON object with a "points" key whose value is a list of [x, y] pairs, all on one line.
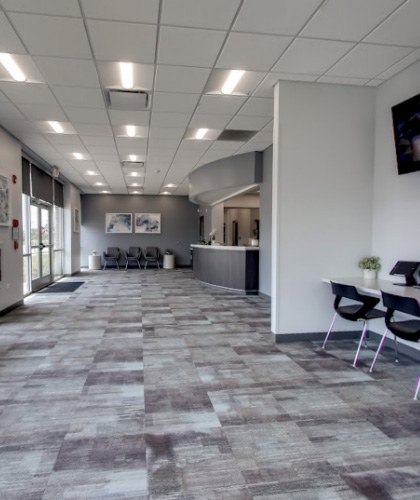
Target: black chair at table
{"points": [[363, 310], [112, 256], [406, 328], [133, 255], [151, 254]]}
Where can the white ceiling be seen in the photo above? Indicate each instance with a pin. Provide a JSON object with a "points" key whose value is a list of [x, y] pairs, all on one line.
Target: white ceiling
{"points": [[69, 50]]}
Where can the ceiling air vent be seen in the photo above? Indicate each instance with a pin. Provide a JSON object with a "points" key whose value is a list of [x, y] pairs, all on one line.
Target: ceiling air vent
{"points": [[132, 100], [236, 135], [133, 164]]}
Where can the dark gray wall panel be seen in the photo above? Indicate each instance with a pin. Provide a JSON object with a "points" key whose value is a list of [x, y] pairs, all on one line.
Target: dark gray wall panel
{"points": [[179, 220]]}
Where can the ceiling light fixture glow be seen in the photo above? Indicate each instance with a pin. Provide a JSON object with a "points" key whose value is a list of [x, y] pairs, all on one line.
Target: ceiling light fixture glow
{"points": [[165, 192], [99, 184], [131, 130], [201, 132], [132, 157], [232, 81], [170, 186], [105, 192], [126, 71], [78, 156], [56, 127], [9, 63], [91, 172]]}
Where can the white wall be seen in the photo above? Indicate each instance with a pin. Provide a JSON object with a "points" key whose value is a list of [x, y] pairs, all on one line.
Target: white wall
{"points": [[71, 239], [11, 284], [396, 210], [322, 197], [265, 223]]}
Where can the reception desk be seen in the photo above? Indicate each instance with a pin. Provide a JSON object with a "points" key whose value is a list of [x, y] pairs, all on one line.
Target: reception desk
{"points": [[231, 267]]}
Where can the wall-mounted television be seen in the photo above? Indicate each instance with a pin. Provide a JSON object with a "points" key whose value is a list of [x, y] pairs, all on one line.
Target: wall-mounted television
{"points": [[406, 120]]}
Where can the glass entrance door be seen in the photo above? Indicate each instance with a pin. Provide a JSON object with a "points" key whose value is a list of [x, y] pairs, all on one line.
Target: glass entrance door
{"points": [[41, 274]]}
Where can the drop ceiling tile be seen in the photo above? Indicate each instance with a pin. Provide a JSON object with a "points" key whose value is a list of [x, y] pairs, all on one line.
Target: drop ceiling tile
{"points": [[9, 41], [252, 52], [137, 11], [211, 121], [116, 41], [401, 28], [52, 36], [9, 111], [108, 165], [143, 75], [93, 130], [193, 145], [131, 143], [367, 61], [311, 56], [189, 46], [400, 65], [220, 104], [258, 106], [68, 72], [225, 146], [169, 119], [98, 157], [247, 122], [281, 17], [173, 102], [181, 79], [50, 7], [90, 140], [217, 14], [42, 112], [341, 80], [28, 93], [83, 165], [79, 96], [167, 133], [140, 118], [344, 20], [64, 139], [87, 115], [266, 88]]}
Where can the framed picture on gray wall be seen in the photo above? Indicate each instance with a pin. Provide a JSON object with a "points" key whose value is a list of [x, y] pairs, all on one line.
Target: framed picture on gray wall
{"points": [[119, 223], [147, 223]]}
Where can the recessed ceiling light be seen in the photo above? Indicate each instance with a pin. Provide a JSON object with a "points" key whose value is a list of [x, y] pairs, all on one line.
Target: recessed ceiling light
{"points": [[134, 184], [132, 157], [136, 192], [201, 132], [170, 186], [135, 174], [126, 71], [105, 192], [91, 172], [56, 127], [9, 63], [232, 80], [165, 192], [78, 156], [131, 130], [99, 184]]}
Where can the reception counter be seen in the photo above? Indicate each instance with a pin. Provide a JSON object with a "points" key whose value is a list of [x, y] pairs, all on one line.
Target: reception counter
{"points": [[231, 267]]}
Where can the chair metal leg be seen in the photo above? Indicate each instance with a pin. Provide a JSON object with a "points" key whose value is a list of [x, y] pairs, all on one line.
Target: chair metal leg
{"points": [[378, 350], [329, 331], [362, 339], [416, 392], [397, 359]]}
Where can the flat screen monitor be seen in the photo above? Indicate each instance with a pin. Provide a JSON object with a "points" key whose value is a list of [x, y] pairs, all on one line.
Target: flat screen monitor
{"points": [[406, 120], [407, 269]]}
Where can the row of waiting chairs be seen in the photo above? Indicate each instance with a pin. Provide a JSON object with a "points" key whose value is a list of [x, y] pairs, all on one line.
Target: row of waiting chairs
{"points": [[364, 310], [135, 254]]}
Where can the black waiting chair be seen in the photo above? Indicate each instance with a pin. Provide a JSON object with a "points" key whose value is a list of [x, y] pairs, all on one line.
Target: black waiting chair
{"points": [[362, 310], [133, 255], [151, 254], [112, 256], [406, 328]]}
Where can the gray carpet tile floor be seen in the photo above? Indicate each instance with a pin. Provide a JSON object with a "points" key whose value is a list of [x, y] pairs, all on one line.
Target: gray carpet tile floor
{"points": [[150, 385]]}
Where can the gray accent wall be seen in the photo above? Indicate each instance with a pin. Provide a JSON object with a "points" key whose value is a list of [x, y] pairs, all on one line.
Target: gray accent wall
{"points": [[179, 224]]}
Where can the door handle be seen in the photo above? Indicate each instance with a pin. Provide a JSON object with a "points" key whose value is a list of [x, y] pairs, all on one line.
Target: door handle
{"points": [[41, 246]]}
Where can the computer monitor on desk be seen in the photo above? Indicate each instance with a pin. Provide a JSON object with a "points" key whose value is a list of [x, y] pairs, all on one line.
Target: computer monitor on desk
{"points": [[407, 269]]}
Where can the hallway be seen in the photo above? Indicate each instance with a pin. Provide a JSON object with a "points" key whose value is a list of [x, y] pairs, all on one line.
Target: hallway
{"points": [[147, 384]]}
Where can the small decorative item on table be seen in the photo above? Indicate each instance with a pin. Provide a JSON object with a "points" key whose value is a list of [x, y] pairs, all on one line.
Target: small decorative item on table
{"points": [[370, 266]]}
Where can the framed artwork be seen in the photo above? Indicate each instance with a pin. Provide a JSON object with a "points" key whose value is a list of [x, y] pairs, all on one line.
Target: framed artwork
{"points": [[118, 223], [5, 207], [76, 220], [147, 223]]}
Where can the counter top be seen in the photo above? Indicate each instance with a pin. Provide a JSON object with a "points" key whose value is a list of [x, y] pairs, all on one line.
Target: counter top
{"points": [[225, 247]]}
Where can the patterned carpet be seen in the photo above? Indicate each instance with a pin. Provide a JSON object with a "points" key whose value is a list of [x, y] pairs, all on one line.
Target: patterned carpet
{"points": [[147, 384]]}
